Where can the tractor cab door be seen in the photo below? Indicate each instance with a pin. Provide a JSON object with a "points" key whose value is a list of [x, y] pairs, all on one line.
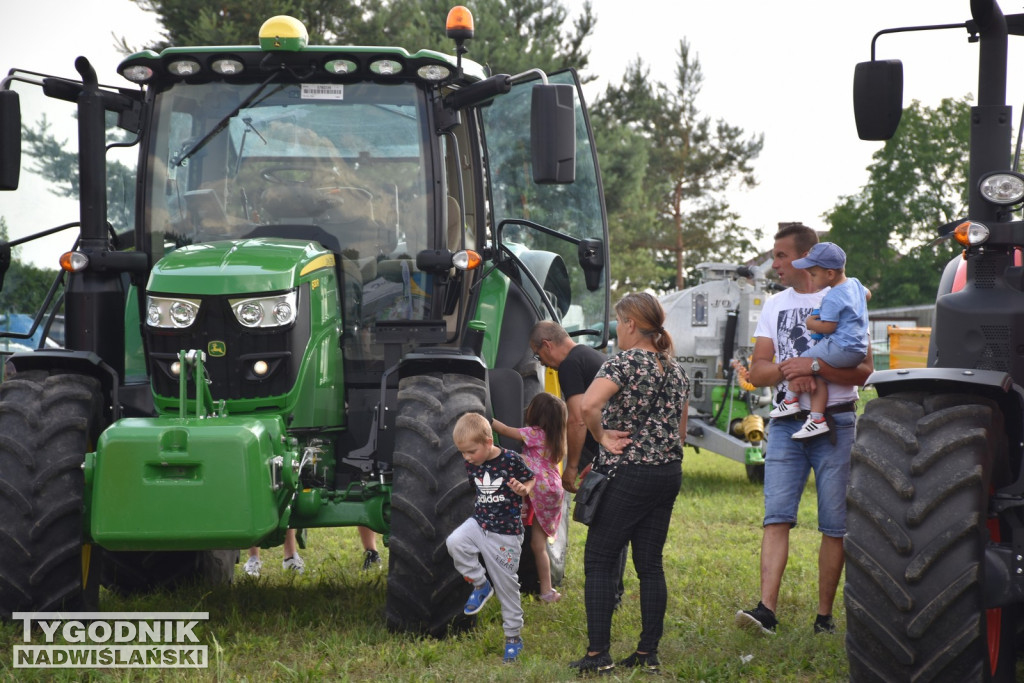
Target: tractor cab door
{"points": [[551, 234]]}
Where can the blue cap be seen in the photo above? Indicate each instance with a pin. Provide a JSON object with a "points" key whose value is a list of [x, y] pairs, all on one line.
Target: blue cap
{"points": [[824, 254]]}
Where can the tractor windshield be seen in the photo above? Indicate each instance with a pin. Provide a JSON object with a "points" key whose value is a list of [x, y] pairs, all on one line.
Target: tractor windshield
{"points": [[341, 163]]}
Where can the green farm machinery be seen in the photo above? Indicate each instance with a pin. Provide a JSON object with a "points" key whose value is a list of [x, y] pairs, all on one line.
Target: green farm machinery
{"points": [[333, 252]]}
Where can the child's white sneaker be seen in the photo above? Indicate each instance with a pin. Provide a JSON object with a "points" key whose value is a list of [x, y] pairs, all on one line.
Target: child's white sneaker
{"points": [[811, 428], [786, 407], [294, 563]]}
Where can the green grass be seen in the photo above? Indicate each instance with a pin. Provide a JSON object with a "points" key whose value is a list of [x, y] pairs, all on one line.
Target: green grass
{"points": [[328, 625]]}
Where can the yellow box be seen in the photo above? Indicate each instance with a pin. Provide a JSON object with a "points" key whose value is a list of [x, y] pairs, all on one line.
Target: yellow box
{"points": [[908, 346]]}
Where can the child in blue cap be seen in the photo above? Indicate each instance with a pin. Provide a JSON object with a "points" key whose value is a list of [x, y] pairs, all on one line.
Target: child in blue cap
{"points": [[842, 319]]}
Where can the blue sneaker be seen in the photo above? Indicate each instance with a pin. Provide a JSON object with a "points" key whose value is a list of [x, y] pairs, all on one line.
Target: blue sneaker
{"points": [[513, 646], [817, 336], [478, 598]]}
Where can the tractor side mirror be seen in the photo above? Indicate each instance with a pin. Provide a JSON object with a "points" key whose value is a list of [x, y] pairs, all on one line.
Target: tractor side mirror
{"points": [[878, 98], [10, 139], [591, 256], [553, 133], [5, 261]]}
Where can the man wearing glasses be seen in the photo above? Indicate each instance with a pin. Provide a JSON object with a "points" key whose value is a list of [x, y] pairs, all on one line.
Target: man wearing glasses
{"points": [[577, 365]]}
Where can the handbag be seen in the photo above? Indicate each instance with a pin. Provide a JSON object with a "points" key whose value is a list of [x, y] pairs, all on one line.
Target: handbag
{"points": [[593, 483], [588, 495]]}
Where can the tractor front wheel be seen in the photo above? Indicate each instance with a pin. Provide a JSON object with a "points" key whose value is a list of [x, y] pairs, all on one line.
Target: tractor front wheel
{"points": [[47, 424], [431, 496], [915, 545]]}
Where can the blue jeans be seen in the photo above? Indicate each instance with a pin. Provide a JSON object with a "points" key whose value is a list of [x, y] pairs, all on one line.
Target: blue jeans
{"points": [[833, 354], [788, 463]]}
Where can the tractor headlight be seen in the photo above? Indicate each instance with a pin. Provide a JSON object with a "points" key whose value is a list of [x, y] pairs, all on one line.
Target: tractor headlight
{"points": [[1003, 188], [433, 72], [173, 313], [266, 311]]}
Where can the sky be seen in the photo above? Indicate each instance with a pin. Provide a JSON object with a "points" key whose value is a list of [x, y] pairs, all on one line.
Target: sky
{"points": [[783, 69]]}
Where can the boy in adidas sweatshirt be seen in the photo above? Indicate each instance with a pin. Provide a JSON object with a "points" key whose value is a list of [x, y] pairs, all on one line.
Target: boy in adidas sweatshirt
{"points": [[495, 530]]}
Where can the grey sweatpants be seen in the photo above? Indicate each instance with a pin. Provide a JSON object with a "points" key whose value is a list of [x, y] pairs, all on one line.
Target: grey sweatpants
{"points": [[501, 555]]}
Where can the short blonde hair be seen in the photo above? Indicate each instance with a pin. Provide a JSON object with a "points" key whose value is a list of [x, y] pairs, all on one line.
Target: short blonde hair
{"points": [[472, 428]]}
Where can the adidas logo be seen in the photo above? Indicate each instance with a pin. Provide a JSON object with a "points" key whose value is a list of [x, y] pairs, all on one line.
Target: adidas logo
{"points": [[487, 486], [490, 499]]}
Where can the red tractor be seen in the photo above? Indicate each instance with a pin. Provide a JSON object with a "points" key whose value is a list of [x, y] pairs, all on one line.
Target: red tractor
{"points": [[935, 541]]}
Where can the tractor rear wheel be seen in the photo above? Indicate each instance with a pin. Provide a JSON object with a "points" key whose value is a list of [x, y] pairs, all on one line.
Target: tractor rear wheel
{"points": [[430, 497], [915, 545], [47, 424]]}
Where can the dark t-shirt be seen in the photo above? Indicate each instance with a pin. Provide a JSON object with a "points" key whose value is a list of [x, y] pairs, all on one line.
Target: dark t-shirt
{"points": [[498, 508], [575, 374]]}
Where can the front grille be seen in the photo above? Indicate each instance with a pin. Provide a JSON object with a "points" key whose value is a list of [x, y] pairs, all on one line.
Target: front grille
{"points": [[996, 354], [985, 272], [231, 373]]}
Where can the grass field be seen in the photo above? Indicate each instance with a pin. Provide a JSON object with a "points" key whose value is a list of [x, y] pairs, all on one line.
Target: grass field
{"points": [[328, 625]]}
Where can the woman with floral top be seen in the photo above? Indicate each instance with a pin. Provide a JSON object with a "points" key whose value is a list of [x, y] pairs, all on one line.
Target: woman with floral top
{"points": [[543, 440], [636, 410]]}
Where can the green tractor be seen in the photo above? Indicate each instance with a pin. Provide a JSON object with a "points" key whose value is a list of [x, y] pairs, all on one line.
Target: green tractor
{"points": [[334, 252]]}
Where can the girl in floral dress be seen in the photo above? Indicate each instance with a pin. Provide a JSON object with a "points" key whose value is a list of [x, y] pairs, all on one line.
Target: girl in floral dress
{"points": [[544, 447]]}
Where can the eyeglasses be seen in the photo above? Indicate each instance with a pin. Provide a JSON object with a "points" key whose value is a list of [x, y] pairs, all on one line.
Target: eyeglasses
{"points": [[536, 352]]}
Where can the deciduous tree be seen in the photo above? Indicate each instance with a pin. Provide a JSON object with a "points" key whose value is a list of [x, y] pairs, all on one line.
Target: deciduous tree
{"points": [[511, 35], [25, 286], [692, 162], [917, 182]]}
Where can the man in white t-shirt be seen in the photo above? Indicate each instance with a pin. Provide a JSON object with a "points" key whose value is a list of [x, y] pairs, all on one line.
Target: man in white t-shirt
{"points": [[781, 336]]}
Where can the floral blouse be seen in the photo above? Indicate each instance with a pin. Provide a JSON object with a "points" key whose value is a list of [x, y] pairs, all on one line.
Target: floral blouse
{"points": [[650, 412]]}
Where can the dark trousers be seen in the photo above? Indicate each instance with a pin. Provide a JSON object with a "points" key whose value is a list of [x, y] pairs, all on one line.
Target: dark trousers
{"points": [[636, 509]]}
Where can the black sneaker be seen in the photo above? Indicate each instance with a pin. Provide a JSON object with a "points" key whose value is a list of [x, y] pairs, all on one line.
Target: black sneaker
{"points": [[760, 619], [823, 623], [600, 663], [648, 662], [371, 560]]}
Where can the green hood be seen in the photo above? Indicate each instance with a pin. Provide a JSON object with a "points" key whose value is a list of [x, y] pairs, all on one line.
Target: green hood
{"points": [[234, 267]]}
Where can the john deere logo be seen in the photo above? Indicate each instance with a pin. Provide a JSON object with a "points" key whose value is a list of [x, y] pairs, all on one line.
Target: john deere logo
{"points": [[216, 349]]}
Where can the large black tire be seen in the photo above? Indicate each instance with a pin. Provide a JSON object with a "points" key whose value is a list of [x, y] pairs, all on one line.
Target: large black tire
{"points": [[916, 530], [430, 497], [128, 572], [47, 424]]}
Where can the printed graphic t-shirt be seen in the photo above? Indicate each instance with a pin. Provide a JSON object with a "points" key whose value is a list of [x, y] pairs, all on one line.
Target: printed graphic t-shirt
{"points": [[498, 508], [784, 321]]}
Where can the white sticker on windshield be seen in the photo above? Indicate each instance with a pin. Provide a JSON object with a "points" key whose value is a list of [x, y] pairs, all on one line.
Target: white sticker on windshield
{"points": [[323, 91]]}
